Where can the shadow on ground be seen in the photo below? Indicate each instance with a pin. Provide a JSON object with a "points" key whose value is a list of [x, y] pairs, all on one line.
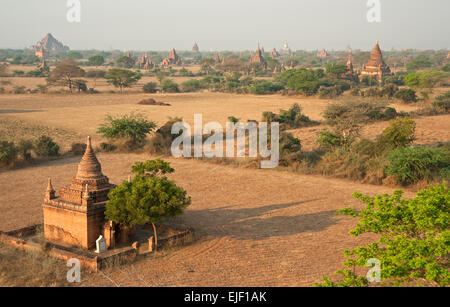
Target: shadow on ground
{"points": [[260, 222], [13, 111]]}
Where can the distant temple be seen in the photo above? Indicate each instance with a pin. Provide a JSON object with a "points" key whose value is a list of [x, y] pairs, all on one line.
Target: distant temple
{"points": [[217, 58], [285, 50], [41, 53], [76, 216], [171, 59], [322, 54], [376, 66], [145, 62], [49, 44], [259, 59], [274, 53], [350, 63], [195, 48]]}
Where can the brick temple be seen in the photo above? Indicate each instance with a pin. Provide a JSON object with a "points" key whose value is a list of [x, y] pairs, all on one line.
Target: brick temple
{"points": [[76, 216], [376, 66], [259, 59]]}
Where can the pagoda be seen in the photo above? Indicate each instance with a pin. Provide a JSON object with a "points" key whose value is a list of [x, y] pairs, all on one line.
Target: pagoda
{"points": [[171, 59], [274, 54], [376, 66], [322, 54], [76, 216], [217, 58], [350, 63], [145, 62], [259, 59], [285, 50], [195, 48]]}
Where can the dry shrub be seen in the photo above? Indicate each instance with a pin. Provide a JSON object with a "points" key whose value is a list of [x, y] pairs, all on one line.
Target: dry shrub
{"points": [[78, 148], [30, 269]]}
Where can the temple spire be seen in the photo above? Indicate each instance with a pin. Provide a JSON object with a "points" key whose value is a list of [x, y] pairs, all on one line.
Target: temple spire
{"points": [[50, 192], [89, 166]]}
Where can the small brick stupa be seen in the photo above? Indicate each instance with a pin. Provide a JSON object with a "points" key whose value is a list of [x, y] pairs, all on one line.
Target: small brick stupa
{"points": [[376, 66], [76, 216], [259, 59], [171, 59]]}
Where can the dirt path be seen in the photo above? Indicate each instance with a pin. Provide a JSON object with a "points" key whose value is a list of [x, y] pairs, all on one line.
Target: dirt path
{"points": [[254, 227]]}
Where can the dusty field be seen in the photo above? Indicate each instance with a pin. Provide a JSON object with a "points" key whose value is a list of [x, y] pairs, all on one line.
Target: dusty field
{"points": [[86, 112], [429, 130], [254, 227]]}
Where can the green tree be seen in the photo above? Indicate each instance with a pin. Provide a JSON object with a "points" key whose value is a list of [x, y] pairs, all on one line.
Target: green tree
{"points": [[125, 61], [414, 238], [65, 74], [206, 65], [122, 78], [74, 55], [96, 60], [149, 197], [420, 62], [150, 87], [132, 127], [169, 86], [192, 85], [45, 147], [407, 95], [336, 69], [409, 165], [400, 132]]}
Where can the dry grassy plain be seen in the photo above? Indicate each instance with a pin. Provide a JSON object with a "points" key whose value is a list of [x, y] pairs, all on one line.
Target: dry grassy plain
{"points": [[254, 227]]}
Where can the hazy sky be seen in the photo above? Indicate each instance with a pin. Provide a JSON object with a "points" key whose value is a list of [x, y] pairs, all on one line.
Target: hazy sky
{"points": [[227, 24]]}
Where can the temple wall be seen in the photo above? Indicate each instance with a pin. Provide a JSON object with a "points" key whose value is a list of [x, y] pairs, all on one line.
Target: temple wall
{"points": [[71, 227]]}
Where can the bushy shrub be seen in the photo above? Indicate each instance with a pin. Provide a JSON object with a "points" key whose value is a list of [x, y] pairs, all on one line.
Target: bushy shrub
{"points": [[132, 128], [442, 103], [412, 164], [24, 148], [45, 147], [265, 87], [389, 90], [355, 92], [191, 85], [406, 95], [330, 92], [168, 86], [161, 141], [19, 89], [346, 117], [413, 243], [106, 147], [290, 149], [371, 92], [328, 140], [78, 148], [150, 87], [399, 133], [36, 74], [294, 118], [8, 153]]}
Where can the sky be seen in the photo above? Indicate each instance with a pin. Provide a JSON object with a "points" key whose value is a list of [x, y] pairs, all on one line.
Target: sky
{"points": [[227, 24]]}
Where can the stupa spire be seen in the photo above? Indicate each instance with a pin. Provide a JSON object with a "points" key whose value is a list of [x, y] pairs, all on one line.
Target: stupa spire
{"points": [[89, 166]]}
